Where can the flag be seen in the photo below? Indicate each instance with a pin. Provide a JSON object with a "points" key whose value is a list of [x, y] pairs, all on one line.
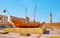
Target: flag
{"points": [[4, 11]]}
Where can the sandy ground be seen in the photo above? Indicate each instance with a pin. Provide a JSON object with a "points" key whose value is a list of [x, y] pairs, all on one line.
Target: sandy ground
{"points": [[17, 35]]}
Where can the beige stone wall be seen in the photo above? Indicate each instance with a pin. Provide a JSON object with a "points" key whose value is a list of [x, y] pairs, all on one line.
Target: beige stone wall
{"points": [[25, 30], [3, 20]]}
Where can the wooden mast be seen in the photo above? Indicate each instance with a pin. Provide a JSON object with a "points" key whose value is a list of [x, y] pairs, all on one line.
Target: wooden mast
{"points": [[26, 13], [35, 13]]}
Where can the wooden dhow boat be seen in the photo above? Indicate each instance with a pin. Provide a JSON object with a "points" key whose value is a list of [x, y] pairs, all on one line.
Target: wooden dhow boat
{"points": [[25, 22]]}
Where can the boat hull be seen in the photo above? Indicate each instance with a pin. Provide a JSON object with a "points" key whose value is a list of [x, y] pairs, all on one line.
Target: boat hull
{"points": [[24, 23]]}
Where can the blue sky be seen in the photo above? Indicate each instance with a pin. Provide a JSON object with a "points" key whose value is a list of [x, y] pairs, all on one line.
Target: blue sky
{"points": [[44, 7]]}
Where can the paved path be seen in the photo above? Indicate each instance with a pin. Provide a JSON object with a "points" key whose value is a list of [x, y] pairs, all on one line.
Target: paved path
{"points": [[17, 35]]}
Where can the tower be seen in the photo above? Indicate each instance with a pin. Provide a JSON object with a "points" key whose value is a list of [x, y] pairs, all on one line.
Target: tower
{"points": [[50, 17]]}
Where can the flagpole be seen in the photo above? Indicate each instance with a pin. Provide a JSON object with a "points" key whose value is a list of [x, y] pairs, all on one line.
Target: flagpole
{"points": [[8, 12], [10, 16], [4, 11], [3, 19]]}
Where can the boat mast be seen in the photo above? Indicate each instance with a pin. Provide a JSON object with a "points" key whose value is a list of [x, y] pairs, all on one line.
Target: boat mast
{"points": [[26, 16], [26, 13], [35, 13]]}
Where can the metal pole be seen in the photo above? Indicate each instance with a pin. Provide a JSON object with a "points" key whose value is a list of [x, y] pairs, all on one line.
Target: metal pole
{"points": [[3, 20], [8, 12], [10, 20], [4, 11]]}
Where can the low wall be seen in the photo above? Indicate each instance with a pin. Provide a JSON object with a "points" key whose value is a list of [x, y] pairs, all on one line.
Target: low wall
{"points": [[25, 30]]}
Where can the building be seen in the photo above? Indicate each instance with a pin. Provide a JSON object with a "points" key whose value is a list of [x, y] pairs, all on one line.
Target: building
{"points": [[3, 20]]}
